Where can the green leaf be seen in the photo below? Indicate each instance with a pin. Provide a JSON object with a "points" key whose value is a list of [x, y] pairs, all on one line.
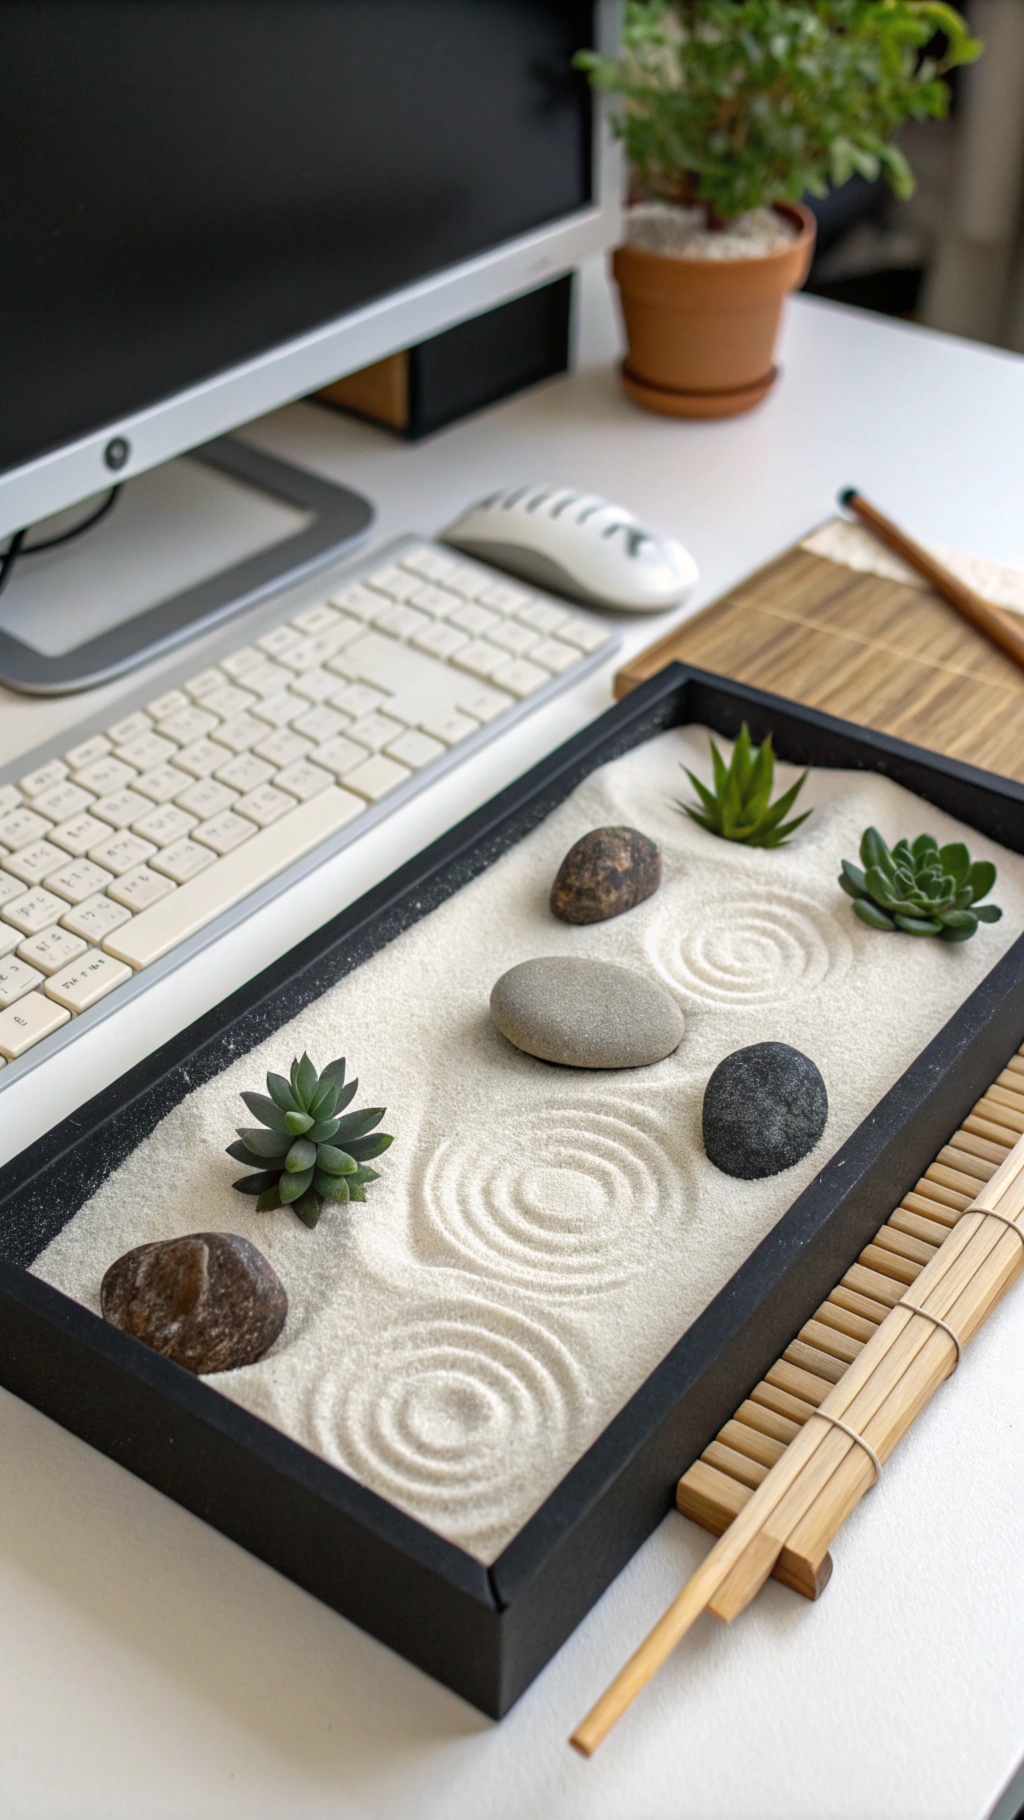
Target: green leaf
{"points": [[297, 1123], [264, 1143], [256, 1184], [874, 852], [281, 1093], [334, 1072], [882, 889], [265, 1110], [357, 1124], [334, 1162], [304, 1081], [365, 1147], [955, 860], [361, 1177], [355, 1191], [323, 1131], [981, 878], [335, 1187], [987, 913], [923, 845], [958, 919], [956, 935], [242, 1154], [345, 1097], [290, 1187], [852, 880], [301, 1157], [870, 913], [270, 1199], [917, 925], [308, 1208]]}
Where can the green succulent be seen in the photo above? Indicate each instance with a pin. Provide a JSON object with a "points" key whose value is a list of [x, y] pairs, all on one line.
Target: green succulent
{"points": [[305, 1151], [739, 806], [923, 889]]}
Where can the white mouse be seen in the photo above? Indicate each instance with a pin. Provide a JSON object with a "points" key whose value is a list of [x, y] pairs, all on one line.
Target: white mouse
{"points": [[576, 544]]}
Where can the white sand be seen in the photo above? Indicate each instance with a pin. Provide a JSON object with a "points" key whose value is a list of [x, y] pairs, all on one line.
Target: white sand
{"points": [[854, 547], [683, 233], [540, 1237]]}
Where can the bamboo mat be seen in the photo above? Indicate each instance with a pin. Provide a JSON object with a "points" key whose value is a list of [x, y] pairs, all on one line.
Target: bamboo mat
{"points": [[719, 1484], [870, 650]]}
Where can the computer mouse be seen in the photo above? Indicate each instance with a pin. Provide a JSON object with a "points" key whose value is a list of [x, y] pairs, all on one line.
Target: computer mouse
{"points": [[578, 545]]}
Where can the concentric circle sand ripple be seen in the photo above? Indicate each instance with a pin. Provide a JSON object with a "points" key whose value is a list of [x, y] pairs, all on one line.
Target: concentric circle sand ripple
{"points": [[761, 949], [564, 1200], [451, 1395]]}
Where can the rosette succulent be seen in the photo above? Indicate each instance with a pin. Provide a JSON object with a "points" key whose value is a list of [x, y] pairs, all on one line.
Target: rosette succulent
{"points": [[739, 806], [304, 1150], [923, 889]]}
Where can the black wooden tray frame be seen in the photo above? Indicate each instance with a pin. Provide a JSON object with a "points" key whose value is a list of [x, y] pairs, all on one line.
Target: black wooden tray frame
{"points": [[486, 1632]]}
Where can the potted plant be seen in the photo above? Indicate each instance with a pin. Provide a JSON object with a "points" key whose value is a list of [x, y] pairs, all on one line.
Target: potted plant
{"points": [[731, 111]]}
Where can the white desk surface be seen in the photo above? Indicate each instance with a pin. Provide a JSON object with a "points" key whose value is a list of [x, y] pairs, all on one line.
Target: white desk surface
{"points": [[152, 1670]]}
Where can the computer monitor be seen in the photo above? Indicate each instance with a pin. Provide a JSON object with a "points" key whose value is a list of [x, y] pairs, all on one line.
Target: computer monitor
{"points": [[216, 207]]}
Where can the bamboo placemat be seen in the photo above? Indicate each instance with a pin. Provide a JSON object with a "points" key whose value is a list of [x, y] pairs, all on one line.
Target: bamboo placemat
{"points": [[878, 652]]}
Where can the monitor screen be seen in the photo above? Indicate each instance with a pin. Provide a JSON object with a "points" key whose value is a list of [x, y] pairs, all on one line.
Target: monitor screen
{"points": [[187, 183]]}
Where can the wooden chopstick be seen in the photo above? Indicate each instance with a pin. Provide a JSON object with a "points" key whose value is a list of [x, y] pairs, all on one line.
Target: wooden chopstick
{"points": [[990, 620]]}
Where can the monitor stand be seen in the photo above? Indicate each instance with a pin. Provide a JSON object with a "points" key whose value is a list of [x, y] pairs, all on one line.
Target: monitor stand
{"points": [[221, 528]]}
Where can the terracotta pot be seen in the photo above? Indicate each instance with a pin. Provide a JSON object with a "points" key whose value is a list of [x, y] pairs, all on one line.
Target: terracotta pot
{"points": [[702, 332]]}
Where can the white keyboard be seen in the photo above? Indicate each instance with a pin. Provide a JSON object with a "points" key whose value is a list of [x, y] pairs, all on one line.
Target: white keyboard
{"points": [[126, 848]]}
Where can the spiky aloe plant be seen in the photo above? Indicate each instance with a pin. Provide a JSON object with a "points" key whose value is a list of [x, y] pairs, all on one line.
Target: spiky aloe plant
{"points": [[739, 806], [305, 1151], [923, 889]]}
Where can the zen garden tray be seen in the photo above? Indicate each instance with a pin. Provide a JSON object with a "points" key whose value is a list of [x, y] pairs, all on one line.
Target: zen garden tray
{"points": [[485, 1616]]}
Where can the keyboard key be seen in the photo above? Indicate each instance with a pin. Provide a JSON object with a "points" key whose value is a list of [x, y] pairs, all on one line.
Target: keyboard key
{"points": [[518, 639], [224, 832], [62, 801], [415, 749], [482, 702], [357, 699], [542, 616], [376, 777], [161, 928], [228, 700], [283, 747], [245, 772], [361, 602], [302, 780], [206, 797], [429, 563], [188, 724], [281, 639], [240, 733], [265, 805], [147, 752], [206, 683], [105, 777], [33, 863], [34, 910], [315, 685], [24, 826], [584, 633], [10, 799], [140, 887], [436, 601], [79, 834], [10, 887], [480, 658], [165, 705], [402, 622], [321, 723], [521, 677], [120, 853], [88, 753], [554, 655], [450, 728], [283, 707], [182, 861], [166, 824], [86, 981], [161, 785], [134, 726], [16, 978], [51, 950], [77, 879], [200, 758], [316, 619], [10, 938], [314, 651], [267, 680], [376, 731], [248, 658], [121, 809], [441, 640], [27, 1023], [397, 583], [499, 594], [94, 919], [340, 755], [37, 783], [474, 619]]}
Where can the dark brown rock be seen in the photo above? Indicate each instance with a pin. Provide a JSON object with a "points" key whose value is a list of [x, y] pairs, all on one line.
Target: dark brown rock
{"points": [[209, 1301], [605, 873]]}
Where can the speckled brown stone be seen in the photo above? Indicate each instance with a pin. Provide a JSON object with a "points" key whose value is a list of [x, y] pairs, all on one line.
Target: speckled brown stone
{"points": [[605, 873], [209, 1301]]}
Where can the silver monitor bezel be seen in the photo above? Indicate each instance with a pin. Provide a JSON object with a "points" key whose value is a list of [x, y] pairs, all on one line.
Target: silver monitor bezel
{"points": [[75, 471]]}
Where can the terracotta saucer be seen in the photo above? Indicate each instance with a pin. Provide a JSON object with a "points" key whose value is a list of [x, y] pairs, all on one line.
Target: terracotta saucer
{"points": [[671, 403]]}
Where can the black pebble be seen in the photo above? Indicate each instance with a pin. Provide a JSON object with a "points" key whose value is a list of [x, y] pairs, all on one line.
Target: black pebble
{"points": [[765, 1107]]}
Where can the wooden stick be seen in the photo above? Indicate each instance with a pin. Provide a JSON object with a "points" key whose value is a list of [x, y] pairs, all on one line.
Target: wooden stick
{"points": [[967, 1274], [995, 624]]}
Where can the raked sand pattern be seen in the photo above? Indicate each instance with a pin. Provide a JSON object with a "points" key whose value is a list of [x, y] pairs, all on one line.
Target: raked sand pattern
{"points": [[540, 1236]]}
